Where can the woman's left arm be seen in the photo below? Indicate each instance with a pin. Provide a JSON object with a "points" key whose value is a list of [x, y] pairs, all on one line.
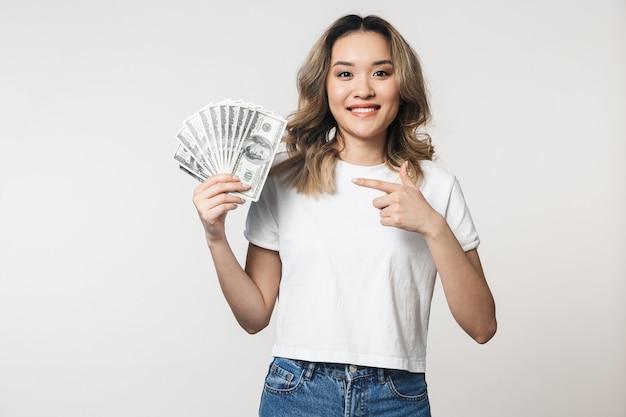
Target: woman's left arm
{"points": [[464, 284], [462, 278]]}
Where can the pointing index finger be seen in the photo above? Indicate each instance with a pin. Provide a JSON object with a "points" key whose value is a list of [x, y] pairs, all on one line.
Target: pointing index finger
{"points": [[387, 187]]}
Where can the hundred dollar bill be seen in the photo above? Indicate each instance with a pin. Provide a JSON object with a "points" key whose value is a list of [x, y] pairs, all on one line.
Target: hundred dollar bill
{"points": [[214, 116], [191, 174], [257, 151], [243, 131], [189, 164], [230, 142], [186, 139], [195, 126], [210, 146]]}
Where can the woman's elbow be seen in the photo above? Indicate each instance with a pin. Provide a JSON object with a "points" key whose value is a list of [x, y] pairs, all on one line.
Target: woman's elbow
{"points": [[254, 328], [486, 333]]}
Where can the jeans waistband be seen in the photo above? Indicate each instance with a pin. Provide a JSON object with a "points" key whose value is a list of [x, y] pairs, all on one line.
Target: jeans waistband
{"points": [[341, 370]]}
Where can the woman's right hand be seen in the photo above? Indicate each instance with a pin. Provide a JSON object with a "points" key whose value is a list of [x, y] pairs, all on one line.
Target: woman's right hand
{"points": [[213, 201]]}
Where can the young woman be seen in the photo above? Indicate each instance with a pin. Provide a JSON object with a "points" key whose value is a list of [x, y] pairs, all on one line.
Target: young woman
{"points": [[352, 227]]}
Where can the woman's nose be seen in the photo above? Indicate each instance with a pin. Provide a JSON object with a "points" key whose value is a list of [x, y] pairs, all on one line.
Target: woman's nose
{"points": [[363, 88]]}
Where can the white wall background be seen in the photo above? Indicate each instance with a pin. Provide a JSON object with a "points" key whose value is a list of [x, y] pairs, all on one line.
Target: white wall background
{"points": [[108, 302]]}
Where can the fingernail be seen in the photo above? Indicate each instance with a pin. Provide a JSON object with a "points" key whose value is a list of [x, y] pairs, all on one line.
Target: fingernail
{"points": [[356, 180]]}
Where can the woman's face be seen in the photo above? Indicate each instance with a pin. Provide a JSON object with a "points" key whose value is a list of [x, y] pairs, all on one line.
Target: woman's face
{"points": [[363, 93]]}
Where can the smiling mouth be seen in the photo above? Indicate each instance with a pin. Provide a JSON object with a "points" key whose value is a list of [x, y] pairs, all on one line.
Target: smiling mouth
{"points": [[363, 109]]}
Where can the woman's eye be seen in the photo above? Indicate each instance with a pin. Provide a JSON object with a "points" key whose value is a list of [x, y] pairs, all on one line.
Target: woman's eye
{"points": [[344, 74], [381, 73]]}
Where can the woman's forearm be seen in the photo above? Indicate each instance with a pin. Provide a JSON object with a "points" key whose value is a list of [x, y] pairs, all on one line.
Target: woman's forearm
{"points": [[464, 284], [250, 299]]}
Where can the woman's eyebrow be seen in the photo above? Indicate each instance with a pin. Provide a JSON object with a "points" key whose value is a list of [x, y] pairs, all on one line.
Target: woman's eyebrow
{"points": [[350, 64], [343, 63]]}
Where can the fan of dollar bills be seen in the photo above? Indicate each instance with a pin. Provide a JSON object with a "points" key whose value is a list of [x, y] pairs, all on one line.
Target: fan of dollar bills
{"points": [[233, 137]]}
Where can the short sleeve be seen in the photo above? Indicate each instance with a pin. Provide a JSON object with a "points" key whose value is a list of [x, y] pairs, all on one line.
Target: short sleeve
{"points": [[460, 220], [262, 221]]}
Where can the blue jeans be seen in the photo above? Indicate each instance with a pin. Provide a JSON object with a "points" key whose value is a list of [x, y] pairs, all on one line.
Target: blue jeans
{"points": [[307, 389]]}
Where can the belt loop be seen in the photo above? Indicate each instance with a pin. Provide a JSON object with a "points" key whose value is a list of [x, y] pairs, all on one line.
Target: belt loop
{"points": [[310, 368], [381, 376]]}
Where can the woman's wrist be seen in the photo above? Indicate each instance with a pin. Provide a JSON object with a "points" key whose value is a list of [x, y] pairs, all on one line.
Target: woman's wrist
{"points": [[437, 227]]}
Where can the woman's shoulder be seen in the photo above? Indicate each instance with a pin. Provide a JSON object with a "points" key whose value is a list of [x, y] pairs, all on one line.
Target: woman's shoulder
{"points": [[436, 171], [438, 183]]}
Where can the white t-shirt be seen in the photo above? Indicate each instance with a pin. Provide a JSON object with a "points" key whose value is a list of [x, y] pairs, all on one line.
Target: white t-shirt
{"points": [[354, 291]]}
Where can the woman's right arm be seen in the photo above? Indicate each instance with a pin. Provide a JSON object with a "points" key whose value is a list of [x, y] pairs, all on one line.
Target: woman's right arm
{"points": [[250, 293]]}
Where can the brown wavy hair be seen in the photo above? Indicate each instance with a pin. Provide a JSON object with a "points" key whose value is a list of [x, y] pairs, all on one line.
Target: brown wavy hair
{"points": [[311, 132]]}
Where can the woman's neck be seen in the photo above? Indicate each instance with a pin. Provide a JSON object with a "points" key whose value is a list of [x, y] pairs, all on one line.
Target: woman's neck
{"points": [[361, 153]]}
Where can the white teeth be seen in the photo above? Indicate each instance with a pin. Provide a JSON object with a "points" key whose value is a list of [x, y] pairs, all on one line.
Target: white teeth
{"points": [[363, 109]]}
